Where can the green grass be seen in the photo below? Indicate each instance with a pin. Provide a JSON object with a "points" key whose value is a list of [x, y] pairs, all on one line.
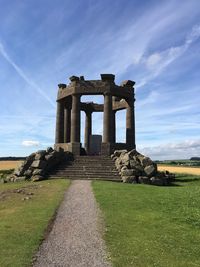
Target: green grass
{"points": [[22, 223], [150, 226]]}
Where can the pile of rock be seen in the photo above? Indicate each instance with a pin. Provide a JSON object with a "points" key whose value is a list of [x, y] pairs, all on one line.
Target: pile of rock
{"points": [[37, 166], [137, 168]]}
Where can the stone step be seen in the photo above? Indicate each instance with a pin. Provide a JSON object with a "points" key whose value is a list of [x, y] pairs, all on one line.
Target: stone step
{"points": [[85, 175], [85, 178], [107, 169], [88, 167]]}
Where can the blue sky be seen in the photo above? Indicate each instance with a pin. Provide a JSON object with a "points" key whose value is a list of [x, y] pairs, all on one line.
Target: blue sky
{"points": [[155, 43]]}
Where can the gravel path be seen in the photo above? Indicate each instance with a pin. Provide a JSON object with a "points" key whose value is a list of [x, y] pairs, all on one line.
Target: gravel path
{"points": [[75, 240]]}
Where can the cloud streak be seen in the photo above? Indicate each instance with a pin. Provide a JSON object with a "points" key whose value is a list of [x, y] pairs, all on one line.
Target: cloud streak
{"points": [[157, 62], [24, 76]]}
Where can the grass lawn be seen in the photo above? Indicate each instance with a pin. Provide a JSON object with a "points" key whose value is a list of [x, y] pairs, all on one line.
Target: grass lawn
{"points": [[22, 222], [150, 226]]}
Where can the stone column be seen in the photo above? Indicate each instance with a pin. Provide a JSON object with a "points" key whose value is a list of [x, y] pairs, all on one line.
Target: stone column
{"points": [[107, 118], [88, 129], [130, 123], [67, 124], [59, 123], [113, 127], [75, 119]]}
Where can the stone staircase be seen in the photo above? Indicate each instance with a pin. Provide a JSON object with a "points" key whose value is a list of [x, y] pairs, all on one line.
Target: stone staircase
{"points": [[88, 168]]}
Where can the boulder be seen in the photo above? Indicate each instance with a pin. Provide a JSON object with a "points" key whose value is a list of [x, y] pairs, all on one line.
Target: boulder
{"points": [[40, 155], [49, 150], [125, 159], [28, 173], [132, 153], [37, 178], [20, 179], [127, 172], [129, 179], [145, 161], [39, 164], [144, 180], [157, 181], [118, 153], [133, 164], [150, 170], [38, 172]]}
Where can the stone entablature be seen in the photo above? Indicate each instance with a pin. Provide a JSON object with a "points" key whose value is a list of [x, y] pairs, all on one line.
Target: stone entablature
{"points": [[69, 106]]}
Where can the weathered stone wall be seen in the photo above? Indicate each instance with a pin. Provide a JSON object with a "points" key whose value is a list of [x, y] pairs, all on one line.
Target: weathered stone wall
{"points": [[137, 168]]}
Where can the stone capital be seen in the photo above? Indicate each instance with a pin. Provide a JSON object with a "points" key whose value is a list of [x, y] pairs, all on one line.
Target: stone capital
{"points": [[74, 78], [62, 85], [108, 77], [127, 83]]}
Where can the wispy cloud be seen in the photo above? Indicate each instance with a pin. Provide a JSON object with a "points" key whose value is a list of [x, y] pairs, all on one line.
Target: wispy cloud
{"points": [[30, 143], [24, 76], [159, 61]]}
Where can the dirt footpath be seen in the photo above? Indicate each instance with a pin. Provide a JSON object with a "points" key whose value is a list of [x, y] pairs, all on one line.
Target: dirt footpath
{"points": [[75, 240]]}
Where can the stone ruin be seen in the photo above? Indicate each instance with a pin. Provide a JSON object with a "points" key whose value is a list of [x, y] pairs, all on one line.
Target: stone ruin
{"points": [[132, 166], [137, 168], [38, 165]]}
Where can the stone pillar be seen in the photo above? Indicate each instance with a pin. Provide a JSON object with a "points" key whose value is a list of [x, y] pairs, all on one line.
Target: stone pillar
{"points": [[113, 127], [130, 123], [88, 129], [59, 123], [67, 124], [107, 118], [75, 119]]}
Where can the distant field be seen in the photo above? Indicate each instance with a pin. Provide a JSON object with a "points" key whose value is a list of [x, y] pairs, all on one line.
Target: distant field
{"points": [[6, 165], [188, 170]]}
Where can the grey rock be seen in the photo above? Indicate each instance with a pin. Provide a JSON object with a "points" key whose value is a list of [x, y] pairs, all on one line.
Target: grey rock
{"points": [[40, 155], [127, 172], [132, 153], [49, 150], [28, 173], [19, 179], [144, 180], [146, 162], [40, 164], [150, 170], [38, 172], [129, 179], [157, 181], [37, 178]]}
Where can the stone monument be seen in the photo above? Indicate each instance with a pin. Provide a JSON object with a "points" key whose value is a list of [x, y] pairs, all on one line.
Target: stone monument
{"points": [[69, 106]]}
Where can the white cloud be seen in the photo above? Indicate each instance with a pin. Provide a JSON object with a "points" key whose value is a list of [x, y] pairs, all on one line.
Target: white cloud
{"points": [[157, 62], [29, 143], [181, 150], [153, 60]]}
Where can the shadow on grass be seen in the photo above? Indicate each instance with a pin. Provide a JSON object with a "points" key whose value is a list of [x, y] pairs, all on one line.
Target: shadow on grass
{"points": [[187, 180]]}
